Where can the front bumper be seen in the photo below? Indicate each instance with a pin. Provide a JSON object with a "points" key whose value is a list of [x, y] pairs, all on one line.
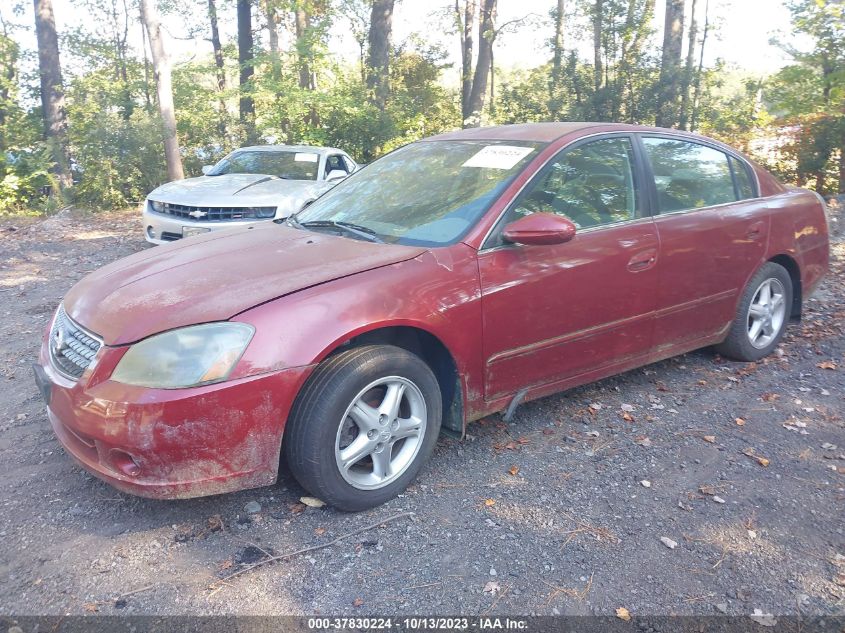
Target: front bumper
{"points": [[171, 443], [160, 228]]}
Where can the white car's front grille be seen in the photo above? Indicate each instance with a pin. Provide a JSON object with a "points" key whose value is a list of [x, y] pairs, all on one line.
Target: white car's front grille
{"points": [[216, 214]]}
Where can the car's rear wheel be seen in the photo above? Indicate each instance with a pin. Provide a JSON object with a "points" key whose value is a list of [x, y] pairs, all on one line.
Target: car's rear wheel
{"points": [[762, 315], [363, 426]]}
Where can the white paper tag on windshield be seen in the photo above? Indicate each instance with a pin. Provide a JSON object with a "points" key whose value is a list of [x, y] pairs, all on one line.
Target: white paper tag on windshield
{"points": [[498, 156], [306, 157]]}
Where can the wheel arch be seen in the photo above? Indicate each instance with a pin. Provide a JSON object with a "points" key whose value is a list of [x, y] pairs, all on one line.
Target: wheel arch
{"points": [[434, 353], [794, 271]]}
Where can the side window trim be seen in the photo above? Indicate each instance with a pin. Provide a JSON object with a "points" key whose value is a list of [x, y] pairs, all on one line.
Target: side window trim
{"points": [[643, 206]]}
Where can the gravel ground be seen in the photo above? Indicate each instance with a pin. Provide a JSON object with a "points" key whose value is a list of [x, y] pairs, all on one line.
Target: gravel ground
{"points": [[633, 492]]}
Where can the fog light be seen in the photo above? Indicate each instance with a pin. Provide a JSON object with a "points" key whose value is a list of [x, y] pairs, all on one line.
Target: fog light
{"points": [[125, 463], [151, 232]]}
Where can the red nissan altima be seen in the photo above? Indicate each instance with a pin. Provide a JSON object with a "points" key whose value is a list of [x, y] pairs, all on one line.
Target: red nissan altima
{"points": [[451, 279]]}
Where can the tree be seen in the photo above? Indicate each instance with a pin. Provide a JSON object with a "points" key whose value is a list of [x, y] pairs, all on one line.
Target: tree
{"points": [[164, 89], [246, 63], [219, 65], [556, 83], [378, 78], [465, 18], [668, 113], [689, 69], [52, 90], [598, 71], [486, 35]]}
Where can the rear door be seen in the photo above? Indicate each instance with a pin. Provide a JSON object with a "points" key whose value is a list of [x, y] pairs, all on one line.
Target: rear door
{"points": [[712, 230]]}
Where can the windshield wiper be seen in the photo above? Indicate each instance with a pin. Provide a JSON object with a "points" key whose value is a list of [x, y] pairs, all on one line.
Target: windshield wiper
{"points": [[355, 229]]}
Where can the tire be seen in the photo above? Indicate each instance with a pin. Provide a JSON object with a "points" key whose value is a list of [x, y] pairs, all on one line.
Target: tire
{"points": [[742, 343], [346, 404]]}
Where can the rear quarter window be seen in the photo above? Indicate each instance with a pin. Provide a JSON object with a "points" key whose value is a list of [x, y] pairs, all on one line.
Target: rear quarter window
{"points": [[742, 173]]}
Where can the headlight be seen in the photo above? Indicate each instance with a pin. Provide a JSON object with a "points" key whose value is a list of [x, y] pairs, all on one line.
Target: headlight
{"points": [[157, 206], [187, 357]]}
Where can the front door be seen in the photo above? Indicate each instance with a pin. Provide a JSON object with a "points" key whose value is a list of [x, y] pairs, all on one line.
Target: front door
{"points": [[552, 313]]}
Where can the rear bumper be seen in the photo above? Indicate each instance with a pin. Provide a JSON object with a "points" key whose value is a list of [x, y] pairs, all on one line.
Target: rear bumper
{"points": [[162, 229], [173, 444]]}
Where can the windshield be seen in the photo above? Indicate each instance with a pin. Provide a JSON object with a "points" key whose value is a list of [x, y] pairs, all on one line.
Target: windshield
{"points": [[283, 163], [428, 193]]}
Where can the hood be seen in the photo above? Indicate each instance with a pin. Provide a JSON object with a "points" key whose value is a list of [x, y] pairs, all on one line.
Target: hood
{"points": [[239, 189], [213, 277]]}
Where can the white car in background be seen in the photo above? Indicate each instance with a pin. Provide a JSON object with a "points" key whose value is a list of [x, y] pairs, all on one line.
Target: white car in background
{"points": [[252, 184]]}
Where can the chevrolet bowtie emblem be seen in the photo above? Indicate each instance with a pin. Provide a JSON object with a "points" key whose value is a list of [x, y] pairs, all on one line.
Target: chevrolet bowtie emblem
{"points": [[198, 214]]}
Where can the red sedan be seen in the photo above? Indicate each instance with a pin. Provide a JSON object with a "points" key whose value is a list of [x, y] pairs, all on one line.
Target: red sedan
{"points": [[451, 279]]}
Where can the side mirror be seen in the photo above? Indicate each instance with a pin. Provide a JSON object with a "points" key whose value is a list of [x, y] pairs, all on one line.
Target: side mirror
{"points": [[539, 229], [336, 175], [206, 169]]}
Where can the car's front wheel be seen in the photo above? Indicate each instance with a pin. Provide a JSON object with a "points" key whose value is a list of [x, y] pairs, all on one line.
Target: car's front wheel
{"points": [[762, 315], [363, 426]]}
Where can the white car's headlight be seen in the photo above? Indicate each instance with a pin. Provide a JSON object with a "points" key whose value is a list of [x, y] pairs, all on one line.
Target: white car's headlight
{"points": [[157, 206], [187, 357]]}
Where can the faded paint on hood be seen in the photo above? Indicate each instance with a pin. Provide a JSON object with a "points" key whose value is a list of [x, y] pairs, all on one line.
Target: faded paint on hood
{"points": [[213, 277]]}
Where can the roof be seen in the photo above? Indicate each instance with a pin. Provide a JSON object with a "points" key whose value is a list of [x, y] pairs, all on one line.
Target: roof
{"points": [[541, 132], [292, 148]]}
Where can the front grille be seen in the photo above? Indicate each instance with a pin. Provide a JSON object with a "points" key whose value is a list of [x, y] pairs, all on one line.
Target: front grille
{"points": [[217, 214], [72, 348]]}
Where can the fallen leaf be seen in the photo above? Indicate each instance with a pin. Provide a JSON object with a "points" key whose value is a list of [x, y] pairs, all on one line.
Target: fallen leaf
{"points": [[763, 619], [828, 364], [769, 397], [548, 432], [91, 607], [642, 440], [357, 602], [319, 531], [312, 502], [706, 489], [753, 455], [739, 421], [492, 587], [514, 470], [709, 438], [627, 416], [226, 564], [623, 614], [489, 502], [296, 508]]}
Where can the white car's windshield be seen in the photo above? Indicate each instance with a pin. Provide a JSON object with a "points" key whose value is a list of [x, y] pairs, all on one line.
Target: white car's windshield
{"points": [[427, 193], [282, 163]]}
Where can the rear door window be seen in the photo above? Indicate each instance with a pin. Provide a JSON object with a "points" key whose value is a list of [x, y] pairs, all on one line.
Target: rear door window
{"points": [[688, 175]]}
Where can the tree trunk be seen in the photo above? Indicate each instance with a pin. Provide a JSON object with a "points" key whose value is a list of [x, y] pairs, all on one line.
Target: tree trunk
{"points": [[303, 46], [378, 60], [557, 61], [9, 54], [670, 64], [246, 105], [273, 39], [696, 93], [161, 70], [52, 93], [148, 103], [486, 34], [689, 69], [598, 72], [466, 32], [220, 65]]}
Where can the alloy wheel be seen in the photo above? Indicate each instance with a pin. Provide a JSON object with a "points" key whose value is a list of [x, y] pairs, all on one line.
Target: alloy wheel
{"points": [[766, 313]]}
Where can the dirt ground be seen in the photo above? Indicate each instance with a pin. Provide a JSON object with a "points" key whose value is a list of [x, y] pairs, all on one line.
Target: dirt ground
{"points": [[561, 511]]}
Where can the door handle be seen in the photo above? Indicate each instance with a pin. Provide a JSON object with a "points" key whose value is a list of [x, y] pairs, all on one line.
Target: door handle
{"points": [[642, 261]]}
